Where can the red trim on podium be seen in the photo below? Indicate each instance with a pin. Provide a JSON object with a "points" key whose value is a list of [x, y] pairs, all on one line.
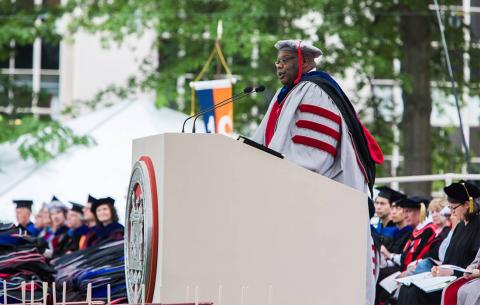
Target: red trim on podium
{"points": [[154, 253]]}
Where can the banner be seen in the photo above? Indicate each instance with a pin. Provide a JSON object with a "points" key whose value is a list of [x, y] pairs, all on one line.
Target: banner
{"points": [[210, 93]]}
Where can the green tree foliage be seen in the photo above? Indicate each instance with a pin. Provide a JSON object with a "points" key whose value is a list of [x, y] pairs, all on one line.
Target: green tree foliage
{"points": [[37, 137], [186, 31]]}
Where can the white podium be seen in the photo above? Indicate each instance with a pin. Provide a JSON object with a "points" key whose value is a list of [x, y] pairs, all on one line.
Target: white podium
{"points": [[211, 219]]}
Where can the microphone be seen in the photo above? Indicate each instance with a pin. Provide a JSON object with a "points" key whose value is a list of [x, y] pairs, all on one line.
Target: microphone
{"points": [[245, 91], [228, 101], [260, 88]]}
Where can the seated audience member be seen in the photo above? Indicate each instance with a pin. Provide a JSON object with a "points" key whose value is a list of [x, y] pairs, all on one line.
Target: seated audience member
{"points": [[77, 228], [88, 216], [401, 235], [43, 222], [385, 228], [59, 238], [107, 226], [423, 234], [440, 245], [418, 244], [463, 247], [440, 214], [89, 220], [23, 212], [396, 245]]}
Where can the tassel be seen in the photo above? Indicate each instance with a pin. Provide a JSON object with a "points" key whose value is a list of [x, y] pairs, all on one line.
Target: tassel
{"points": [[423, 212], [471, 207]]}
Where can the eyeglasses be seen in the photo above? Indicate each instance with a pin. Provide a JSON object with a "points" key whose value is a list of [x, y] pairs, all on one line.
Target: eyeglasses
{"points": [[453, 208], [283, 61]]}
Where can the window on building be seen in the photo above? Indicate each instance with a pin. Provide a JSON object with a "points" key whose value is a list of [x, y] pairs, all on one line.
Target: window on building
{"points": [[18, 71], [50, 56], [23, 56], [475, 65], [4, 61]]}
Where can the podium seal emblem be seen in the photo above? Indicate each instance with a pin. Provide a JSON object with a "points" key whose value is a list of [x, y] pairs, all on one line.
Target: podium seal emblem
{"points": [[141, 232]]}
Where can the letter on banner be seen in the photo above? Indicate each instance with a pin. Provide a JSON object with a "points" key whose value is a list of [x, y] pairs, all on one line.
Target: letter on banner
{"points": [[210, 93]]}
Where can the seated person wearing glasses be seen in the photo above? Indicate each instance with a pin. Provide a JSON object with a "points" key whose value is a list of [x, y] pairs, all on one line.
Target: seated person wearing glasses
{"points": [[463, 247]]}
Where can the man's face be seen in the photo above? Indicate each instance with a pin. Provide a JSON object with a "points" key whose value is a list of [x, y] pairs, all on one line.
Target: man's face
{"points": [[382, 207], [74, 220], [397, 214], [23, 216], [412, 216], [58, 218], [287, 67], [87, 212]]}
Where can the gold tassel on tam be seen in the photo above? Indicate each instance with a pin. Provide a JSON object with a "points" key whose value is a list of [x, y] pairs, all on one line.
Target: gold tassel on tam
{"points": [[471, 208], [423, 212]]}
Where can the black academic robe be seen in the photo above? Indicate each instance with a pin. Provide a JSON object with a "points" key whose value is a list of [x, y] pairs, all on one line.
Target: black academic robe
{"points": [[111, 232], [60, 241], [395, 245], [383, 235], [399, 240], [461, 251], [29, 229], [416, 247], [74, 236]]}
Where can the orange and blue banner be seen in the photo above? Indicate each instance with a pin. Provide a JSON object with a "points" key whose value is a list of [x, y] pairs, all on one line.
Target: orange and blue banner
{"points": [[211, 93]]}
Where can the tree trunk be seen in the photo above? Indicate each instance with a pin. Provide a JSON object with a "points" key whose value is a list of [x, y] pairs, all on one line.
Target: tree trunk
{"points": [[415, 33]]}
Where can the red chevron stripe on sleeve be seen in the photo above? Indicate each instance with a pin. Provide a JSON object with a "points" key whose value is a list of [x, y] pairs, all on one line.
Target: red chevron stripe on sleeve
{"points": [[319, 128], [323, 112], [315, 144]]}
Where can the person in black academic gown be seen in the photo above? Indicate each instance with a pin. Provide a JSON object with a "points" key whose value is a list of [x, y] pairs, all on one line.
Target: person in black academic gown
{"points": [[59, 238], [463, 246], [384, 231], [422, 236], [107, 228], [43, 222], [417, 245], [89, 220], [77, 229], [401, 234], [396, 244], [23, 212]]}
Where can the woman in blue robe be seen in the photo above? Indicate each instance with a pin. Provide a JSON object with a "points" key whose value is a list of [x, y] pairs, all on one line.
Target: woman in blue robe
{"points": [[107, 228]]}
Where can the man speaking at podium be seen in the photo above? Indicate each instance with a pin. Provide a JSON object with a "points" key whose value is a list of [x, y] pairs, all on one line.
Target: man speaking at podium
{"points": [[311, 121]]}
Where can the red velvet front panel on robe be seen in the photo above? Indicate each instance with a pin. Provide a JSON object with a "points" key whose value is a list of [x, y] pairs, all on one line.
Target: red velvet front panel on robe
{"points": [[272, 122]]}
